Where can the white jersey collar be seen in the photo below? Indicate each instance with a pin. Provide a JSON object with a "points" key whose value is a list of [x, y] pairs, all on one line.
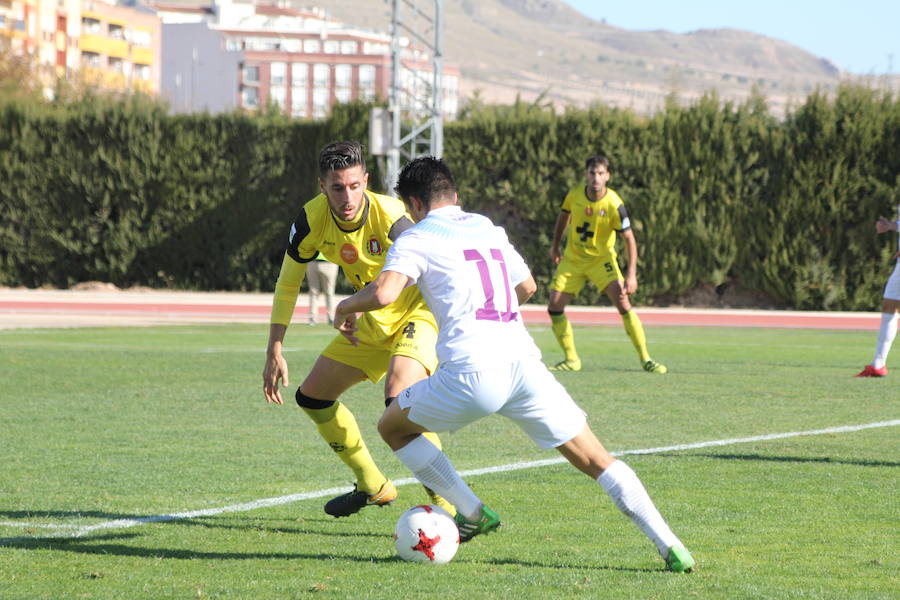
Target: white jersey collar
{"points": [[445, 210]]}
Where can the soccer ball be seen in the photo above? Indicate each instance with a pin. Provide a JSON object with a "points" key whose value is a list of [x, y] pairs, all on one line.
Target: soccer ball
{"points": [[428, 534]]}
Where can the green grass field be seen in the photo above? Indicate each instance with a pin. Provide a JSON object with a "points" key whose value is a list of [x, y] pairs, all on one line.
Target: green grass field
{"points": [[149, 425]]}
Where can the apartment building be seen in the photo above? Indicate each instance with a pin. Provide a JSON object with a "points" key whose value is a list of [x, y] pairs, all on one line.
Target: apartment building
{"points": [[18, 22], [198, 74], [48, 31], [113, 46], [120, 46], [300, 60]]}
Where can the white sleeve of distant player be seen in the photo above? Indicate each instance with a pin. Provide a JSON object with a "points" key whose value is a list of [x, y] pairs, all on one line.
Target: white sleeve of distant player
{"points": [[405, 257]]}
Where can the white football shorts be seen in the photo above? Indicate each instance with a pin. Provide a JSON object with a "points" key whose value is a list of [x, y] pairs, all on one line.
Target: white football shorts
{"points": [[892, 287], [524, 391]]}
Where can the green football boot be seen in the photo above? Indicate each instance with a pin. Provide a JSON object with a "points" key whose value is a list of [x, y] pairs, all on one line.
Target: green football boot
{"points": [[488, 522], [679, 560]]}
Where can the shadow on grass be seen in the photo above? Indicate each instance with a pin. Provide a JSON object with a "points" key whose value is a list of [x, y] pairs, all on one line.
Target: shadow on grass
{"points": [[251, 526], [210, 523], [116, 545], [797, 459], [561, 567], [105, 548]]}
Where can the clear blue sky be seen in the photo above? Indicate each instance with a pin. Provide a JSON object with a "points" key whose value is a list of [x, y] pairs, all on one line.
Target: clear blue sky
{"points": [[856, 35]]}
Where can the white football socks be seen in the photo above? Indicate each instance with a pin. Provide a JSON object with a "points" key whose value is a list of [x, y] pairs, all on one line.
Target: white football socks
{"points": [[886, 334], [434, 470], [629, 495]]}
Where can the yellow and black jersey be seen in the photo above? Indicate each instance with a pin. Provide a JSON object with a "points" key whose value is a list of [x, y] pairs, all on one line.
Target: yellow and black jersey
{"points": [[359, 248], [594, 223]]}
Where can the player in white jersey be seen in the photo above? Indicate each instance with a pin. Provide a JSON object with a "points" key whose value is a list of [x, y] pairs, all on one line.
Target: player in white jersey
{"points": [[474, 281], [889, 309]]}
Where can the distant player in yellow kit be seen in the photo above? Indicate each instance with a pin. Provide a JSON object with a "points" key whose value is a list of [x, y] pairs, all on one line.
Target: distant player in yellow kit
{"points": [[354, 228], [592, 215]]}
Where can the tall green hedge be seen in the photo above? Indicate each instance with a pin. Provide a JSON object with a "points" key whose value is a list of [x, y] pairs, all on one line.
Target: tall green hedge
{"points": [[718, 192], [121, 192]]}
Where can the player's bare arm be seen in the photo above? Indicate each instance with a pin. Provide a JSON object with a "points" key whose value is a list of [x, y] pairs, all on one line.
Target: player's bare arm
{"points": [[383, 291], [287, 288], [275, 372], [525, 290], [883, 225], [631, 285], [562, 222]]}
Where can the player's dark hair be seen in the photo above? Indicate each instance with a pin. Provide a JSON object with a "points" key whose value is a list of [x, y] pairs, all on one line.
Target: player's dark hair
{"points": [[427, 178], [338, 156], [597, 159]]}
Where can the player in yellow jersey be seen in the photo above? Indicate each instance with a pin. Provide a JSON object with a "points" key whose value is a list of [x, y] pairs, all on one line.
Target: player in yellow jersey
{"points": [[353, 228], [593, 215]]}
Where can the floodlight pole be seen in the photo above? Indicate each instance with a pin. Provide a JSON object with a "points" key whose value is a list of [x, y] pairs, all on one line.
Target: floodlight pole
{"points": [[416, 121]]}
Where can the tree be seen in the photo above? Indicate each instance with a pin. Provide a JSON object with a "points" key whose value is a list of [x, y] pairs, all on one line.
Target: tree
{"points": [[19, 73]]}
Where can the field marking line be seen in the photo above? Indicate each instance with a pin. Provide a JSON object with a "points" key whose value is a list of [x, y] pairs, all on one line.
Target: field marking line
{"points": [[288, 499]]}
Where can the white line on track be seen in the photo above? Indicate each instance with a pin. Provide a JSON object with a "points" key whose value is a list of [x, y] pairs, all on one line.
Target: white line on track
{"points": [[279, 500]]}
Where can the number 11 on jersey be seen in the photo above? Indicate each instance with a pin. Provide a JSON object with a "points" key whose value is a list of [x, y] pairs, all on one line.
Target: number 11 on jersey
{"points": [[489, 312]]}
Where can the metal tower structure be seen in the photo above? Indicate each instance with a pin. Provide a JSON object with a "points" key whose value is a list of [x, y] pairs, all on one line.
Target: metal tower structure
{"points": [[417, 64]]}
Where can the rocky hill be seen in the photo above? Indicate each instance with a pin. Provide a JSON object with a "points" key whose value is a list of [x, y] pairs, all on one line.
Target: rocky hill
{"points": [[544, 48]]}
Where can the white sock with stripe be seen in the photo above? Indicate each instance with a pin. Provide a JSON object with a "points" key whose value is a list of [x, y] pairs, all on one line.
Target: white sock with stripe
{"points": [[434, 470], [629, 495]]}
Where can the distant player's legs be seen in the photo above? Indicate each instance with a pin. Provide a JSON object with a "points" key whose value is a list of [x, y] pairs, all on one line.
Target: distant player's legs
{"points": [[328, 272], [633, 326], [314, 283], [588, 455], [318, 397], [887, 331], [562, 329]]}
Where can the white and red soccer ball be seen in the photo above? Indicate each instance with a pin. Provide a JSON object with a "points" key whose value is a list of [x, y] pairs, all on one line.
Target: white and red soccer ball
{"points": [[426, 534]]}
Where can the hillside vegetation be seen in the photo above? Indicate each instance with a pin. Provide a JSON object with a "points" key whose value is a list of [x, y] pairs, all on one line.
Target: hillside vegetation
{"points": [[544, 48]]}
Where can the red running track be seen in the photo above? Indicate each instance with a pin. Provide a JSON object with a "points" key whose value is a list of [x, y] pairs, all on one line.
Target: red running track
{"points": [[533, 314]]}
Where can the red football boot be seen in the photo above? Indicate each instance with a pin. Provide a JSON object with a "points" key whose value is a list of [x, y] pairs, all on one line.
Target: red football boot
{"points": [[871, 371]]}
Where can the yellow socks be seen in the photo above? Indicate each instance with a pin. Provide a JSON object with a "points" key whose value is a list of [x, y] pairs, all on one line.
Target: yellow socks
{"points": [[635, 331], [339, 428], [434, 439], [562, 329]]}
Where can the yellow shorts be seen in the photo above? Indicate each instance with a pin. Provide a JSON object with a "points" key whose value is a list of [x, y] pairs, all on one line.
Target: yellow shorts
{"points": [[571, 275], [415, 336]]}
